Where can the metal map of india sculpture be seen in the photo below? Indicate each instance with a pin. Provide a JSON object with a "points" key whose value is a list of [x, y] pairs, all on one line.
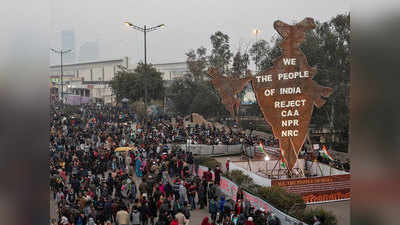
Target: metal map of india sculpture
{"points": [[228, 88], [286, 93]]}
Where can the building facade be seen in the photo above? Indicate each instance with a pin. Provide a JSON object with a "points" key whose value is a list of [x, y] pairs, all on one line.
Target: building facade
{"points": [[172, 71], [89, 79]]}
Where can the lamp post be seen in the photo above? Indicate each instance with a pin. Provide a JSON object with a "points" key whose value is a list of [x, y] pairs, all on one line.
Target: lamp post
{"points": [[256, 32], [61, 52], [145, 30], [266, 158]]}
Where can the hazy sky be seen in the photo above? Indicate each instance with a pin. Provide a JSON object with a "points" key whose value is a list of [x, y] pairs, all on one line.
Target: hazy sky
{"points": [[189, 23]]}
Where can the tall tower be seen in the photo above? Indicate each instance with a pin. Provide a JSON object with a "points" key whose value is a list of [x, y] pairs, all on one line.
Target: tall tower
{"points": [[68, 42]]}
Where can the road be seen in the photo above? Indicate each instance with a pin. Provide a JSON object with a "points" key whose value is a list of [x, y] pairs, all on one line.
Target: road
{"points": [[196, 218]]}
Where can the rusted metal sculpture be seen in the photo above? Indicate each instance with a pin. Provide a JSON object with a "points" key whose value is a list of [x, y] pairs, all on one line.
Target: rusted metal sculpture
{"points": [[228, 88], [286, 93]]}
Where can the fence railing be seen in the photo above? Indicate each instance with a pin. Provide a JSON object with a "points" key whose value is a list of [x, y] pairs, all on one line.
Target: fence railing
{"points": [[230, 189], [211, 149]]}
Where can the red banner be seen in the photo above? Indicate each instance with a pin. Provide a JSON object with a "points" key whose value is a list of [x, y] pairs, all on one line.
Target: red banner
{"points": [[318, 189], [327, 196]]}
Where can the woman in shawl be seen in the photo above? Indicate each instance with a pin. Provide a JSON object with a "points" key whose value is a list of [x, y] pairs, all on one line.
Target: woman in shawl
{"points": [[138, 166], [221, 209], [143, 167]]}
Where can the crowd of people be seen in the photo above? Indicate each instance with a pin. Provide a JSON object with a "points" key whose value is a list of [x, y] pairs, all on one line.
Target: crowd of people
{"points": [[92, 183]]}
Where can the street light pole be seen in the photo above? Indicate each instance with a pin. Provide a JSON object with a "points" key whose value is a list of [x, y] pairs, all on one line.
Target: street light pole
{"points": [[145, 66], [145, 30], [145, 45], [61, 52], [256, 32]]}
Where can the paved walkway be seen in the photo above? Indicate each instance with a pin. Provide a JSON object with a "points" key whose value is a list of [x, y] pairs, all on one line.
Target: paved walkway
{"points": [[340, 209]]}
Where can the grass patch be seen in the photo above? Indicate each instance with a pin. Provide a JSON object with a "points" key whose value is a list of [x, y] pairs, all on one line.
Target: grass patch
{"points": [[289, 203], [208, 162]]}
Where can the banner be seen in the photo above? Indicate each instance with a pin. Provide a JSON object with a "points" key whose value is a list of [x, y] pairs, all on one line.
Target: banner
{"points": [[230, 189], [318, 189]]}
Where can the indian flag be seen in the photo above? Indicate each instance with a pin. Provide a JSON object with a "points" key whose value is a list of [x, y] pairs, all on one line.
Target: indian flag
{"points": [[326, 154], [283, 164], [261, 146]]}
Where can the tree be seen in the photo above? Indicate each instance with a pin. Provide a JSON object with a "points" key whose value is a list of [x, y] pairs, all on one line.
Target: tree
{"points": [[132, 85], [197, 63], [206, 102], [220, 54], [189, 96], [329, 48], [240, 64], [264, 55], [181, 93]]}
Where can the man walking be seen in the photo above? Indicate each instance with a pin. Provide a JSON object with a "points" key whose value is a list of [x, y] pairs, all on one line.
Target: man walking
{"points": [[122, 217], [180, 217]]}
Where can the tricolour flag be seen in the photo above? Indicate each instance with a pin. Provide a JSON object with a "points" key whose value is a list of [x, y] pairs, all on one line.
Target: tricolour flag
{"points": [[283, 164], [261, 146], [326, 154]]}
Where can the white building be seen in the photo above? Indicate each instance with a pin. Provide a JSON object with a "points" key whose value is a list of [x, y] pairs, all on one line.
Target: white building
{"points": [[88, 79], [91, 79], [169, 71], [172, 71]]}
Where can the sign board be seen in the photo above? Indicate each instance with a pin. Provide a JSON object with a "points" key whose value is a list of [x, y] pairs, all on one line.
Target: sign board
{"points": [[287, 93], [327, 196], [318, 189]]}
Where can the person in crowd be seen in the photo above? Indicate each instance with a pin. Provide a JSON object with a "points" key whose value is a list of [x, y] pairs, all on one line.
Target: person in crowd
{"points": [[273, 220], [213, 209], [227, 165], [249, 221], [174, 221], [217, 175], [122, 216], [316, 221], [186, 210], [239, 194], [91, 221], [239, 207], [180, 217], [221, 211], [144, 212], [205, 221], [135, 216]]}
